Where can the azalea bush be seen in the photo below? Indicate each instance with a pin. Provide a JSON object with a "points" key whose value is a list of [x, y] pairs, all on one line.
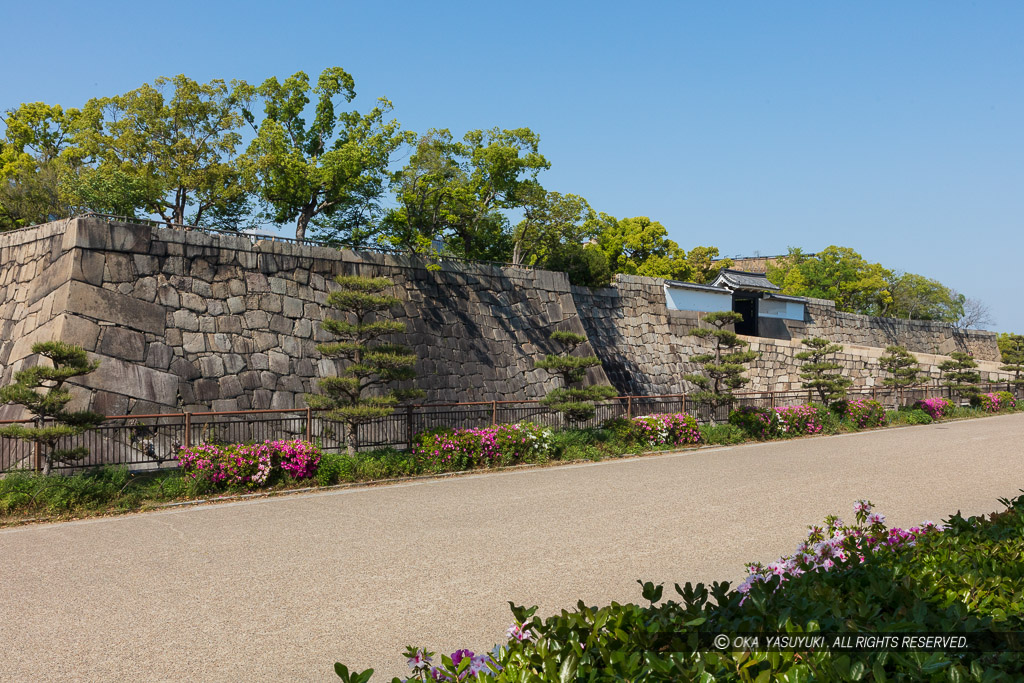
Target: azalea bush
{"points": [[442, 450], [668, 429], [966, 576], [783, 421], [248, 465], [864, 413], [994, 402], [936, 407]]}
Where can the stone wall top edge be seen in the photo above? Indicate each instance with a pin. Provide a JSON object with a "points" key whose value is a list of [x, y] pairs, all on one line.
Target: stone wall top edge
{"points": [[15, 238]]}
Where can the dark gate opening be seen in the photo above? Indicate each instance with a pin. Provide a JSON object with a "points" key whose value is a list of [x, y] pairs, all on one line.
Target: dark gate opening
{"points": [[747, 307]]}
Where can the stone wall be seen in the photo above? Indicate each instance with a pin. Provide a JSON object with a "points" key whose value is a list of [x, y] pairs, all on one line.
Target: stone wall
{"points": [[184, 320], [645, 348], [193, 321]]}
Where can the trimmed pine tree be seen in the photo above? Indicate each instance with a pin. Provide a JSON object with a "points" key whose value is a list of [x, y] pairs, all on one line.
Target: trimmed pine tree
{"points": [[359, 395], [902, 367], [821, 372], [576, 402], [959, 374], [40, 389], [724, 365], [1011, 348]]}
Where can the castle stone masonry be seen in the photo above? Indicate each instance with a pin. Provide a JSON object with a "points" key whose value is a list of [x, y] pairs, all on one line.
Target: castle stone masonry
{"points": [[185, 320]]}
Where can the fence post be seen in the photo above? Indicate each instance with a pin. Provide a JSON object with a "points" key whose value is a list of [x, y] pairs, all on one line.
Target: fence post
{"points": [[494, 413], [38, 457], [874, 393], [408, 426], [309, 423], [629, 407], [771, 399], [188, 430]]}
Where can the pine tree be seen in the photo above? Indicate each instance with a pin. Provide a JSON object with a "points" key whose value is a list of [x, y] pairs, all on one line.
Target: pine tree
{"points": [[370, 364], [904, 372], [1011, 347], [723, 367], [959, 374], [821, 373], [41, 390], [575, 402]]}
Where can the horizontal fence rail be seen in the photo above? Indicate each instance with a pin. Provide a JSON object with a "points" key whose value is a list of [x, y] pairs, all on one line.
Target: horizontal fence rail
{"points": [[147, 442]]}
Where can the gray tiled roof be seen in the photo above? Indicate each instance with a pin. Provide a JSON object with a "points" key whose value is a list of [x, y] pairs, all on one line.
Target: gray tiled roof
{"points": [[738, 279]]}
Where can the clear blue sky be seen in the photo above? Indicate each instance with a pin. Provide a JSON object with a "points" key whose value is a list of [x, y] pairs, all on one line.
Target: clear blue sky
{"points": [[892, 128]]}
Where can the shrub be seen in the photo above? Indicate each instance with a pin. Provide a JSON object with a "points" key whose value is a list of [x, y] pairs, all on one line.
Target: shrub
{"points": [[672, 429], [914, 416], [994, 402], [249, 465], [754, 421], [334, 468], [936, 407], [619, 427], [722, 434], [863, 413], [769, 423], [442, 450]]}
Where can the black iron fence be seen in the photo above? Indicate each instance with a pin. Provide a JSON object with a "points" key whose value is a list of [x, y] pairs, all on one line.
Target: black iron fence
{"points": [[153, 441]]}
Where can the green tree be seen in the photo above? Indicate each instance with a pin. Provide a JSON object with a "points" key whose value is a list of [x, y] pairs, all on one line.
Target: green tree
{"points": [[724, 365], [331, 172], [704, 265], [573, 401], [585, 265], [902, 368], [916, 297], [836, 273], [460, 192], [552, 222], [35, 137], [640, 246], [165, 148], [959, 374], [821, 372], [1011, 348], [40, 389], [358, 394]]}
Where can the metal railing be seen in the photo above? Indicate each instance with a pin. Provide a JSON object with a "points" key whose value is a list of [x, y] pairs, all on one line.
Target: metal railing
{"points": [[153, 441], [331, 244]]}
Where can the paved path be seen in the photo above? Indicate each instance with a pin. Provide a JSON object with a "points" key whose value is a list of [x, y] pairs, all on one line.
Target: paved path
{"points": [[280, 589]]}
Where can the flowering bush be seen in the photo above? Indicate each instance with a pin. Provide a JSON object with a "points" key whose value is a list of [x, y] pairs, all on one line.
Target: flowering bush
{"points": [[760, 423], [300, 459], [936, 407], [442, 450], [994, 402], [250, 465], [834, 542], [664, 429], [768, 423], [461, 665], [865, 412]]}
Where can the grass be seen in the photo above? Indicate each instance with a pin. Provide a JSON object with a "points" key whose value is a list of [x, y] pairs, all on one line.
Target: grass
{"points": [[25, 495]]}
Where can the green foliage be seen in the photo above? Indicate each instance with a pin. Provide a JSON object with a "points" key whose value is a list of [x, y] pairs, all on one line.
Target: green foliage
{"points": [[960, 375], [358, 395], [576, 403], [724, 366], [457, 192], [167, 146], [24, 493], [820, 373], [331, 172], [723, 434], [1011, 348], [909, 416], [40, 389], [902, 367], [916, 297]]}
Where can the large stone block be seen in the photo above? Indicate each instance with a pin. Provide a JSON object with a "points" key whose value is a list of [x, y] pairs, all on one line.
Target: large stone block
{"points": [[104, 305], [131, 379]]}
